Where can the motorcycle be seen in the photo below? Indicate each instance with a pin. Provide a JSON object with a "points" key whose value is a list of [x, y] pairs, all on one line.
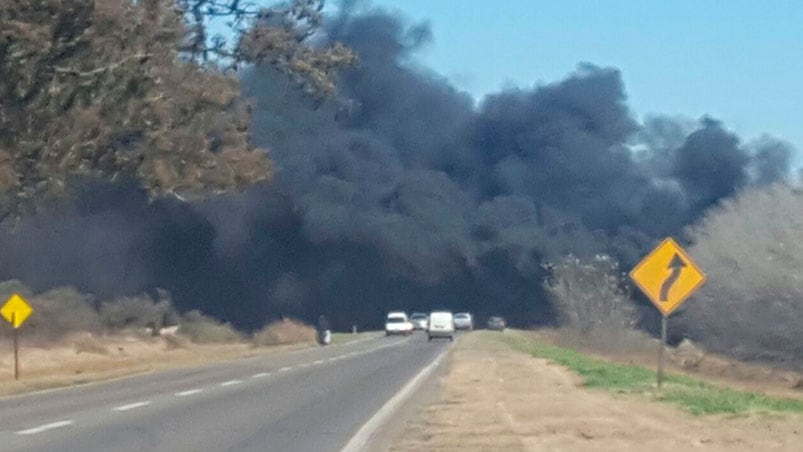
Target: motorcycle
{"points": [[324, 337]]}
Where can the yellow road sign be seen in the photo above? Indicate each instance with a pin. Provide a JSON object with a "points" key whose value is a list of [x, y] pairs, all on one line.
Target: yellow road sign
{"points": [[668, 276], [16, 310]]}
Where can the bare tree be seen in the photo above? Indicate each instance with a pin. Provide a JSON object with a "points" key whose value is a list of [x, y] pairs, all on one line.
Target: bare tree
{"points": [[751, 248], [589, 295]]}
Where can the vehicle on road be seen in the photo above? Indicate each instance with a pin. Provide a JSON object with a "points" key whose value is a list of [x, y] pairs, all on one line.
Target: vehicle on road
{"points": [[496, 323], [441, 325], [325, 337], [398, 323], [323, 332], [463, 321], [419, 320]]}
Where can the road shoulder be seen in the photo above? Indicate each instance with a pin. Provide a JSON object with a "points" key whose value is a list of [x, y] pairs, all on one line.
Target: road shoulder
{"points": [[495, 398]]}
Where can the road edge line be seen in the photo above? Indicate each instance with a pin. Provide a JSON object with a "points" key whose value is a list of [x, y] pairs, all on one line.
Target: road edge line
{"points": [[360, 439]]}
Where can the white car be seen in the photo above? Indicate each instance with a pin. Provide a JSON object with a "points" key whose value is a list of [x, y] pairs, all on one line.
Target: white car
{"points": [[441, 324], [398, 323], [419, 320], [463, 321]]}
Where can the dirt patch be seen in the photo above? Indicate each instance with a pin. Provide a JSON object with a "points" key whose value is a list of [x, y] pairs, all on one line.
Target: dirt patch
{"points": [[494, 398]]}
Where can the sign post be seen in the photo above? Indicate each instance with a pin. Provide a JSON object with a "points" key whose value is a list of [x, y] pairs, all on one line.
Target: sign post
{"points": [[16, 348], [667, 276], [661, 352], [16, 310]]}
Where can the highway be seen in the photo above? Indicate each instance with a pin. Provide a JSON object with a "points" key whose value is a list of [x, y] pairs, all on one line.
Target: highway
{"points": [[310, 400]]}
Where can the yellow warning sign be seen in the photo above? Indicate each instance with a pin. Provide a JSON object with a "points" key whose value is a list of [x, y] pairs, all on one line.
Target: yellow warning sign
{"points": [[668, 276], [16, 310]]}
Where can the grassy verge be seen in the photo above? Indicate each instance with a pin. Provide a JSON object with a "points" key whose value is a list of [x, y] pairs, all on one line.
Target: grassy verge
{"points": [[692, 394]]}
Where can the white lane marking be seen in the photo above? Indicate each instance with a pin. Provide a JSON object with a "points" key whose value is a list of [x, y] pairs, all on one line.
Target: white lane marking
{"points": [[333, 359], [131, 406], [230, 383], [320, 361], [260, 375], [285, 369], [360, 439], [46, 427], [189, 393]]}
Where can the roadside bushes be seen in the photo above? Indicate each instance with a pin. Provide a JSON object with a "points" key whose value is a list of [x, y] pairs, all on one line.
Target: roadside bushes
{"points": [[64, 310], [285, 331], [588, 295], [202, 329], [751, 248]]}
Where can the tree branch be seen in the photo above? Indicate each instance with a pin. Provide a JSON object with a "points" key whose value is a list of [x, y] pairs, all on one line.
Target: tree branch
{"points": [[140, 57]]}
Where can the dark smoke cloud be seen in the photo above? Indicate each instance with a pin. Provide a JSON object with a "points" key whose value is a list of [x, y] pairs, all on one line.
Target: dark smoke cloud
{"points": [[403, 196]]}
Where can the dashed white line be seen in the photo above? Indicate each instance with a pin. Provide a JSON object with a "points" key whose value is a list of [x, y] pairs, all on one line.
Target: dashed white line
{"points": [[320, 361], [131, 406], [189, 393], [334, 359], [46, 427], [285, 369], [260, 375], [230, 383]]}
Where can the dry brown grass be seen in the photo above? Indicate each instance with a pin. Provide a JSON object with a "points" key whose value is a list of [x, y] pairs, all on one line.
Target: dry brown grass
{"points": [[88, 343], [284, 332], [203, 329], [175, 342]]}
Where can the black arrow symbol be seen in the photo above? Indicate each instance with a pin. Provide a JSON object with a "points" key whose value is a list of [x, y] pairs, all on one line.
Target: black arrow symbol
{"points": [[676, 266]]}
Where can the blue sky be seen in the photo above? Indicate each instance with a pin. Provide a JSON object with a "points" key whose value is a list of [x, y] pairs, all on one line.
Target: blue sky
{"points": [[738, 61]]}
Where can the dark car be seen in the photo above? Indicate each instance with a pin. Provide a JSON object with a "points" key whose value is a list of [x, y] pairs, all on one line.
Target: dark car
{"points": [[496, 323]]}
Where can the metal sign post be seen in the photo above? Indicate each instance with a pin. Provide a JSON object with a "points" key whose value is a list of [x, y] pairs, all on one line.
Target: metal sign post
{"points": [[16, 348], [661, 351]]}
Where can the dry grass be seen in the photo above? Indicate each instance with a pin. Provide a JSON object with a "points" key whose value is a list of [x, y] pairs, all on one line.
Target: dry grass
{"points": [[284, 332], [88, 343], [202, 329], [175, 342]]}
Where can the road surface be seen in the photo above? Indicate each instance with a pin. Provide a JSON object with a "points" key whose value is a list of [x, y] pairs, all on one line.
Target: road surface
{"points": [[310, 400]]}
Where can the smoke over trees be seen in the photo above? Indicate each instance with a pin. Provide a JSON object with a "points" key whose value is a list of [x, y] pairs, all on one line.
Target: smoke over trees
{"points": [[402, 194]]}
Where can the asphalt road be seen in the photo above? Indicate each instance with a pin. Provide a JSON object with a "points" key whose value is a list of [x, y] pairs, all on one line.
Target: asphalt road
{"points": [[310, 400]]}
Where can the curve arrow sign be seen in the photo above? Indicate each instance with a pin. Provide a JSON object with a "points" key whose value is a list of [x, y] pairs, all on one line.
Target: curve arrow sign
{"points": [[676, 265]]}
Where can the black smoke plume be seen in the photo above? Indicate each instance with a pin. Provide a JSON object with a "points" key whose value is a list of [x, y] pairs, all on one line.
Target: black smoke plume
{"points": [[402, 195]]}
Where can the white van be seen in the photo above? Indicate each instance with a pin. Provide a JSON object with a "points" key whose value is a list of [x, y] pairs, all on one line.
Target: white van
{"points": [[441, 324], [398, 323]]}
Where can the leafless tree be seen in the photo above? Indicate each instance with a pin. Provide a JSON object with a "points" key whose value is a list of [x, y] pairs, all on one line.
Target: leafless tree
{"points": [[751, 248], [590, 295]]}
